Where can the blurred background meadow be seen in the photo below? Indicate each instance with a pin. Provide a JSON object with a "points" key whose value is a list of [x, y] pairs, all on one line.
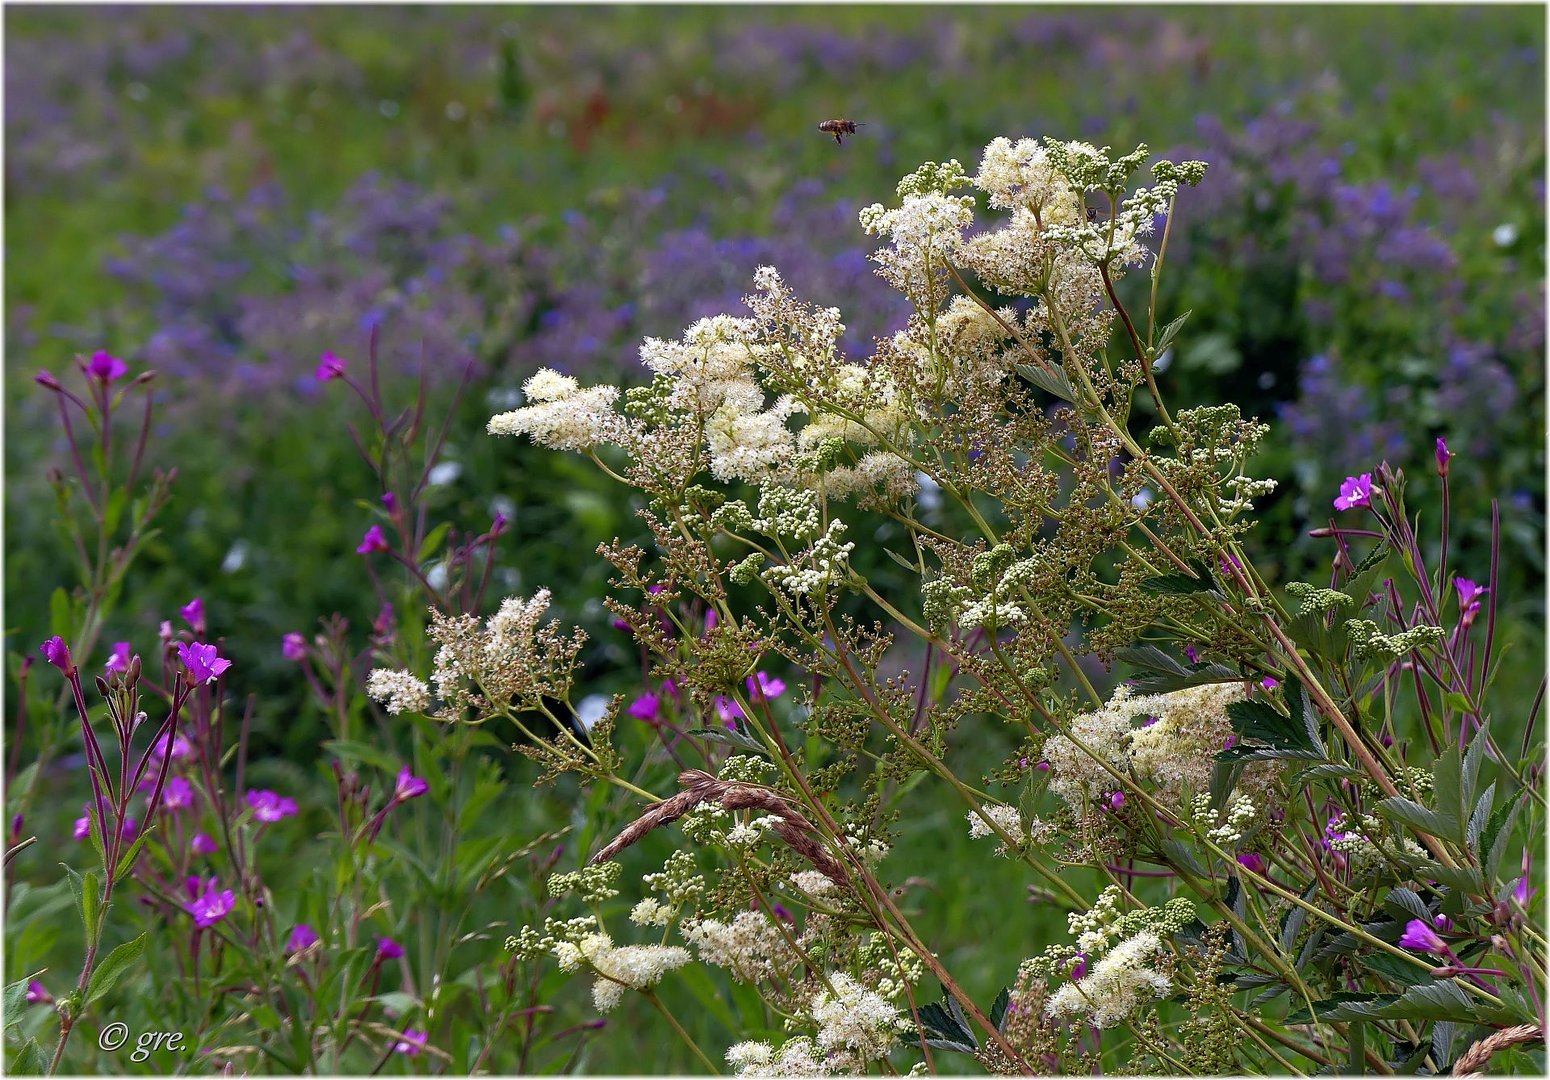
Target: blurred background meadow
{"points": [[222, 194]]}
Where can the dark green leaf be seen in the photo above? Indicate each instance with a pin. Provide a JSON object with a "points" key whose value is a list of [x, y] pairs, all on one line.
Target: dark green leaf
{"points": [[1439, 999], [1411, 813], [731, 738], [1404, 904], [999, 1007], [113, 968], [1395, 970], [1498, 833], [1169, 332], [29, 1061], [1177, 585], [1478, 819], [433, 541], [1260, 721], [1448, 795], [944, 1028], [1050, 381]]}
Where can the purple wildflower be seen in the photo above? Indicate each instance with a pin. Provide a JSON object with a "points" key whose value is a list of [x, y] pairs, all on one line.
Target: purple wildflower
{"points": [[193, 613], [647, 707], [177, 795], [1117, 800], [181, 747], [1269, 683], [203, 663], [293, 646], [83, 825], [1469, 599], [329, 367], [46, 378], [1252, 861], [388, 949], [1355, 491], [37, 994], [203, 845], [1079, 968], [270, 807], [210, 906], [119, 661], [409, 786], [390, 502], [106, 366], [372, 541], [56, 652], [412, 1042], [728, 710], [1421, 937], [302, 937], [1189, 651], [761, 687], [1444, 455]]}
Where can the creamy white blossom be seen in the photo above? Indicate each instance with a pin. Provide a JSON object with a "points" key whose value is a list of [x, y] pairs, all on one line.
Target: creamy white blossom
{"points": [[398, 691]]}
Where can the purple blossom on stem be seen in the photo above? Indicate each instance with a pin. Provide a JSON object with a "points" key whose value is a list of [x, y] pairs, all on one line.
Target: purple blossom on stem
{"points": [[1355, 491], [37, 994], [728, 710], [83, 825], [388, 949], [1189, 651], [269, 807], [46, 378], [1421, 937], [203, 845], [329, 367], [193, 613], [181, 747], [412, 1042], [1079, 969], [647, 707], [107, 367], [211, 906], [408, 786], [302, 937], [177, 795], [1252, 861], [761, 687], [390, 502], [1444, 455], [1469, 598], [1117, 800], [293, 646], [119, 661], [56, 652], [1269, 683], [204, 665], [372, 541]]}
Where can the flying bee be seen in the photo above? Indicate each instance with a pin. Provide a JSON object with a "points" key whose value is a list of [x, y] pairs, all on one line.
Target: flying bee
{"points": [[839, 128], [1092, 215]]}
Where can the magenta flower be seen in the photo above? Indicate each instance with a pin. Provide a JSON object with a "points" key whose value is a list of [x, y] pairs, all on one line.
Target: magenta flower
{"points": [[1356, 491], [181, 747], [1191, 654], [107, 367], [1442, 922], [372, 541], [211, 906], [56, 652], [1522, 893], [388, 949], [44, 377], [1469, 599], [329, 367], [1079, 968], [193, 613], [302, 937], [1042, 766], [1268, 683], [131, 828], [710, 621], [647, 707], [498, 524], [409, 786], [412, 1042], [203, 845], [165, 632], [1252, 861], [119, 661], [83, 825], [177, 795], [1230, 742], [203, 663], [390, 502], [728, 710], [37, 994], [1421, 937], [270, 807], [763, 688], [1117, 801], [293, 647], [1444, 455]]}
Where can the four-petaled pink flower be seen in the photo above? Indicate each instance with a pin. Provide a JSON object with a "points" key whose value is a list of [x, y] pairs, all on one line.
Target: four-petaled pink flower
{"points": [[647, 707], [203, 845], [412, 1042], [329, 367], [302, 937], [181, 747], [761, 687], [1420, 936], [177, 795], [1469, 599], [56, 652], [293, 647], [119, 661], [203, 663], [728, 710], [106, 366], [388, 949], [37, 994], [408, 786], [372, 541], [269, 807], [1356, 491], [212, 905], [193, 613]]}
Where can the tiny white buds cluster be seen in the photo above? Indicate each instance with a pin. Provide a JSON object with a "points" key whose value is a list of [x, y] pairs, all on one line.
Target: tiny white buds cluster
{"points": [[398, 691]]}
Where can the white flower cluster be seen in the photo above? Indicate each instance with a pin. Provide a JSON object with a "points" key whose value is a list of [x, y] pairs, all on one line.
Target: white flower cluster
{"points": [[1117, 986], [824, 564], [750, 947], [1169, 742], [1240, 816], [398, 691], [1019, 176], [814, 882], [1006, 818], [619, 967], [562, 415], [855, 1022]]}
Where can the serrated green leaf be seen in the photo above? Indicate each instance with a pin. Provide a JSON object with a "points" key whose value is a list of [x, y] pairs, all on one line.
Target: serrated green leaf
{"points": [[91, 900], [1464, 878], [1411, 813], [1479, 818], [1050, 381], [1394, 969], [113, 967], [1498, 833], [28, 1061], [15, 994], [1176, 585], [1448, 794], [731, 738], [127, 861], [1179, 855], [1327, 771], [1292, 922], [1438, 999], [1262, 722], [999, 1006], [1405, 904]]}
